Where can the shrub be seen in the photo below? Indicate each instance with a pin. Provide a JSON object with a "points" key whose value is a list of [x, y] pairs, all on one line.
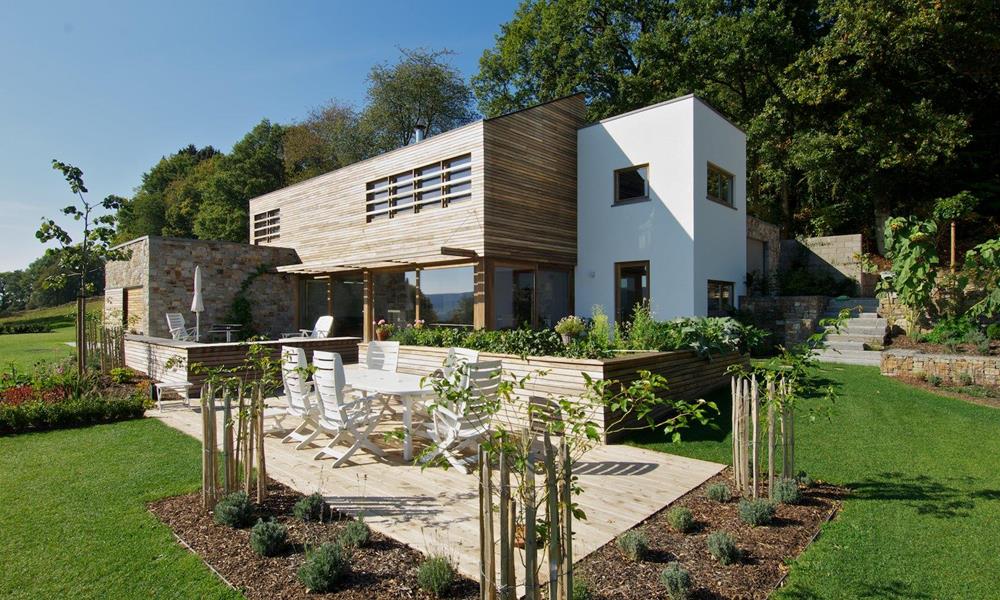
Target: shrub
{"points": [[805, 480], [722, 546], [634, 544], [581, 589], [786, 491], [993, 331], [27, 412], [355, 534], [681, 519], [310, 508], [29, 327], [756, 512], [719, 492], [965, 379], [571, 325], [268, 538], [121, 375], [979, 340], [934, 380], [234, 510], [949, 330], [436, 575], [324, 567], [676, 580]]}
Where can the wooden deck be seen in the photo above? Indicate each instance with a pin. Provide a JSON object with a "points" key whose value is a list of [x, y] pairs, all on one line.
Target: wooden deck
{"points": [[434, 510]]}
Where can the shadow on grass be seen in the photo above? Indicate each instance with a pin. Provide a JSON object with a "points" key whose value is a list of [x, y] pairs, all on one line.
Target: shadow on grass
{"points": [[885, 589], [928, 496]]}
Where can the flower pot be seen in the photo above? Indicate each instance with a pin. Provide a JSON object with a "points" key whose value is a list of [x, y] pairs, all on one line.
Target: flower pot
{"points": [[381, 335], [566, 339]]}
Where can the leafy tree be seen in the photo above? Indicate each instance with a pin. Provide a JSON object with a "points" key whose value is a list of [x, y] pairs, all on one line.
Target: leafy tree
{"points": [[15, 289], [953, 209], [183, 197], [327, 139], [422, 88], [94, 246]]}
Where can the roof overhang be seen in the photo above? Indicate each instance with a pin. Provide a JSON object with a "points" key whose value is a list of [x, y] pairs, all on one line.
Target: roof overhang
{"points": [[324, 267]]}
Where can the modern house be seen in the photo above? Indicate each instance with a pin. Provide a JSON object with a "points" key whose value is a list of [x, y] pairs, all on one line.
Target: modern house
{"points": [[516, 220]]}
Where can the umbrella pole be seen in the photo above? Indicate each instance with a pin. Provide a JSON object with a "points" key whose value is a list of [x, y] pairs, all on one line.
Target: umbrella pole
{"points": [[197, 326]]}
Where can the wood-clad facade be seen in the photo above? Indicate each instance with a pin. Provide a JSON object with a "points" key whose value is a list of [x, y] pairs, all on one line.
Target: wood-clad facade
{"points": [[497, 195]]}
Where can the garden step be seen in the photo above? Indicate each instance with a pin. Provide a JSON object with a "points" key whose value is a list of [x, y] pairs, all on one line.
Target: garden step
{"points": [[873, 331], [852, 357], [843, 345], [853, 338], [865, 316]]}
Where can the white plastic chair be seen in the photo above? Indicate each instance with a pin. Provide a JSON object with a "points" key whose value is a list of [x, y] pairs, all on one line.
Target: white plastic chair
{"points": [[178, 330], [300, 395], [454, 429], [455, 359], [382, 356], [345, 414], [322, 329]]}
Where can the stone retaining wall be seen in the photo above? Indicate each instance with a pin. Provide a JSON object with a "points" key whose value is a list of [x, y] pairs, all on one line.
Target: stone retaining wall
{"points": [[833, 255], [790, 319], [984, 370]]}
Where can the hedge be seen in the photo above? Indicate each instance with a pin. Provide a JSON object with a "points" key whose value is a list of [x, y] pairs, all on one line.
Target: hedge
{"points": [[38, 415]]}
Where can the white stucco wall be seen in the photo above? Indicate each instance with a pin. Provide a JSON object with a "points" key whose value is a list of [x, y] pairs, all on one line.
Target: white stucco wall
{"points": [[675, 139]]}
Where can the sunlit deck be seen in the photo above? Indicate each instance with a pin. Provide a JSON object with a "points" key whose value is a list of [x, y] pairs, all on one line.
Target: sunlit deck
{"points": [[435, 510]]}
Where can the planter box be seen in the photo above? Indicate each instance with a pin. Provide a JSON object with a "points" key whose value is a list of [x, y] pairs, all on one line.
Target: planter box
{"points": [[150, 355], [984, 370], [688, 376]]}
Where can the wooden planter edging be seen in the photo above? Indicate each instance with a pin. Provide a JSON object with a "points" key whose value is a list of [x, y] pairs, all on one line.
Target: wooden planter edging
{"points": [[150, 355], [688, 376], [983, 370]]}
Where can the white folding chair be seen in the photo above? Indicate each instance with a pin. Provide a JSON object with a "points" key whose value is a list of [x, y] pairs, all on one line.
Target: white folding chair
{"points": [[346, 415], [322, 329], [178, 330], [300, 395], [382, 356], [457, 428], [455, 359]]}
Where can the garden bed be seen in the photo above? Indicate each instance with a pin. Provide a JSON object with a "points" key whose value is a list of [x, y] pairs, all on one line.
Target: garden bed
{"points": [[904, 342], [975, 394], [766, 550], [952, 369], [384, 569]]}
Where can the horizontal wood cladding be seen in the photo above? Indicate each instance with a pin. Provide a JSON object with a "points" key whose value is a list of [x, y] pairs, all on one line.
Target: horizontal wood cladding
{"points": [[324, 219], [531, 182], [151, 355], [688, 376]]}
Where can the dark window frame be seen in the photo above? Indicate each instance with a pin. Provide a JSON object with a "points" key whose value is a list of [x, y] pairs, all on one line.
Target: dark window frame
{"points": [[728, 202], [618, 278], [708, 295], [618, 172], [535, 268]]}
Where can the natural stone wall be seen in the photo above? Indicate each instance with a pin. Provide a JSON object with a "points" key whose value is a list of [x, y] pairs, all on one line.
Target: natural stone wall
{"points": [[983, 370], [164, 269], [790, 319], [834, 255], [769, 234]]}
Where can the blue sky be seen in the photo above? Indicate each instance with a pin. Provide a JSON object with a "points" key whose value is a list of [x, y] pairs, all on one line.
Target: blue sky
{"points": [[112, 86]]}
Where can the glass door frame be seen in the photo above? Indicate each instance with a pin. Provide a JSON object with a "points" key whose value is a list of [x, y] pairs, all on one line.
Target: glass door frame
{"points": [[535, 267]]}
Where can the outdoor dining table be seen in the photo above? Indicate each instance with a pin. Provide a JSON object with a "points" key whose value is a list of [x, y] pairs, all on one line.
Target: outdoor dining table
{"points": [[390, 383], [229, 329]]}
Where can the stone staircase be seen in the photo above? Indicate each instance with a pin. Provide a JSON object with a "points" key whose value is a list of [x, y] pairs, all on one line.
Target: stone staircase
{"points": [[864, 327]]}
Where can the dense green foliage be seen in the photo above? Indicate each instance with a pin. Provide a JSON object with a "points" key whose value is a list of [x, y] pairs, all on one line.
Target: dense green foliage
{"points": [[681, 519], [851, 108], [310, 508], [16, 328], [22, 289], [234, 510], [76, 523], [633, 544], [705, 335], [436, 575], [268, 538], [676, 581], [921, 516], [324, 567], [55, 397], [722, 546], [756, 512]]}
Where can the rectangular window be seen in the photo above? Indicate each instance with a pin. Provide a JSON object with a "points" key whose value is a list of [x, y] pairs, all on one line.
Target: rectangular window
{"points": [[720, 185], [436, 185], [395, 295], [720, 298], [446, 296], [513, 297], [553, 296], [266, 226], [631, 288], [314, 301], [632, 184]]}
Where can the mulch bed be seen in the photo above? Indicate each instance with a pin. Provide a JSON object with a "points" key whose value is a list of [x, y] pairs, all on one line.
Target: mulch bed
{"points": [[905, 342], [766, 550], [950, 391], [385, 569]]}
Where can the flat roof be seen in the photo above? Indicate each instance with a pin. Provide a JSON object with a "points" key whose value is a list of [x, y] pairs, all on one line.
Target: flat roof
{"points": [[664, 103]]}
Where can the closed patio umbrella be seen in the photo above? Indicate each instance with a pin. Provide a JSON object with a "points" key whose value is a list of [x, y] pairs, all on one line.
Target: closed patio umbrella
{"points": [[196, 303]]}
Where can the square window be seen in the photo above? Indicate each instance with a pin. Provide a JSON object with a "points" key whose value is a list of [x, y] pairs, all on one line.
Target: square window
{"points": [[632, 184]]}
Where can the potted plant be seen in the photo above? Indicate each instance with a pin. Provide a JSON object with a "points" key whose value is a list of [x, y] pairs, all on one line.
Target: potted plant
{"points": [[569, 327], [382, 330], [418, 324]]}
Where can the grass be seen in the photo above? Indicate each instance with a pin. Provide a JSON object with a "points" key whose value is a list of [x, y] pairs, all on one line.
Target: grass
{"points": [[923, 516], [23, 350], [75, 523]]}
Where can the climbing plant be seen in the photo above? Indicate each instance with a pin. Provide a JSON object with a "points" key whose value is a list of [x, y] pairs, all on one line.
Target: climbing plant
{"points": [[241, 309]]}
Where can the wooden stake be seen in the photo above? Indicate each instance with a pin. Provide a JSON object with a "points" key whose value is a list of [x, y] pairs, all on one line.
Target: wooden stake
{"points": [[770, 439], [567, 518], [552, 512], [261, 464], [530, 541], [507, 583], [755, 419]]}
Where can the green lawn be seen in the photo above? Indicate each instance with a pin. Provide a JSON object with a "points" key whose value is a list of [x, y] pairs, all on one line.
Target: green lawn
{"points": [[924, 518], [74, 521], [24, 350]]}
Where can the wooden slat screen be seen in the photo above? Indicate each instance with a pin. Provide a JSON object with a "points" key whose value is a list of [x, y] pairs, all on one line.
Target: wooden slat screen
{"points": [[432, 186]]}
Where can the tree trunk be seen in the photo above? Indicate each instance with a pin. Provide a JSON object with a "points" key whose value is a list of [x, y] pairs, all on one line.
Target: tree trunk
{"points": [[81, 333]]}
